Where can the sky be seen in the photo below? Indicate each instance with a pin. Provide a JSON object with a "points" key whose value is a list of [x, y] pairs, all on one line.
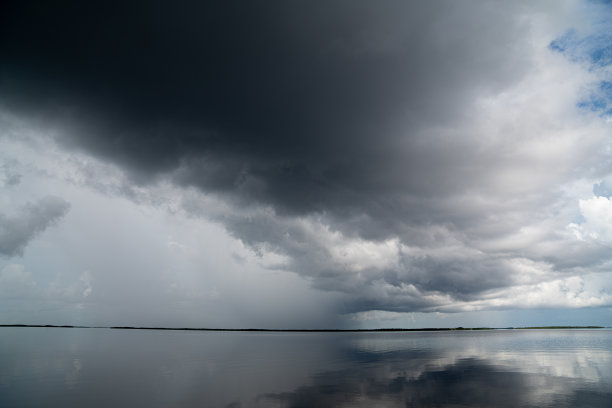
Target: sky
{"points": [[293, 164]]}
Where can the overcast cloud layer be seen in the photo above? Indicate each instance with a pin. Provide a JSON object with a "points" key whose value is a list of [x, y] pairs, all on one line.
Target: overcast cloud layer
{"points": [[398, 157]]}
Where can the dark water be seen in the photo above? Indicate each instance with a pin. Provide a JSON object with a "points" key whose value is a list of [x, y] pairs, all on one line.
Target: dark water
{"points": [[52, 367]]}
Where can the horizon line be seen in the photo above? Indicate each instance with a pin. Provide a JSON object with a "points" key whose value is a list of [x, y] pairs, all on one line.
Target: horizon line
{"points": [[389, 329]]}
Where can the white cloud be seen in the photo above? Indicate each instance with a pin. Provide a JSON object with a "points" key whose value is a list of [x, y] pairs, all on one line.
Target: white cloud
{"points": [[350, 253], [597, 225], [86, 279], [592, 290]]}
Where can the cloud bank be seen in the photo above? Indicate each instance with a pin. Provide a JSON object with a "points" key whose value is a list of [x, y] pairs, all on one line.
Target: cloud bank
{"points": [[17, 230], [436, 156]]}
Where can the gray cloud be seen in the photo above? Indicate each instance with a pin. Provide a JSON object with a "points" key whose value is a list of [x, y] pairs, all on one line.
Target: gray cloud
{"points": [[307, 107], [35, 217], [415, 156], [8, 177]]}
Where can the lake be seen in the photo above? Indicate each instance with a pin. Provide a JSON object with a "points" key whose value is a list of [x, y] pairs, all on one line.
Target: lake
{"points": [[54, 367]]}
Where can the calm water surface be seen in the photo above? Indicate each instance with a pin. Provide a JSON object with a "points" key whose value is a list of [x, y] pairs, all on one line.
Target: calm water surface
{"points": [[54, 367]]}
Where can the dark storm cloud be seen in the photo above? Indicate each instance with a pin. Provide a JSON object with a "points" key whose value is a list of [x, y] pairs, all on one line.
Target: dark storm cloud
{"points": [[406, 131], [17, 230], [304, 106]]}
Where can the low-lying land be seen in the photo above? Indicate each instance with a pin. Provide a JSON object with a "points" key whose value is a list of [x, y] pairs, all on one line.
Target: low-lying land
{"points": [[305, 330]]}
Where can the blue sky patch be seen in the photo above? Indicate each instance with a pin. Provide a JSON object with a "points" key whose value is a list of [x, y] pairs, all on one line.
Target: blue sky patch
{"points": [[602, 190], [593, 49]]}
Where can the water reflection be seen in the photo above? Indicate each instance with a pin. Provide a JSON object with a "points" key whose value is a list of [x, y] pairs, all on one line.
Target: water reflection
{"points": [[79, 367], [466, 383], [501, 369]]}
